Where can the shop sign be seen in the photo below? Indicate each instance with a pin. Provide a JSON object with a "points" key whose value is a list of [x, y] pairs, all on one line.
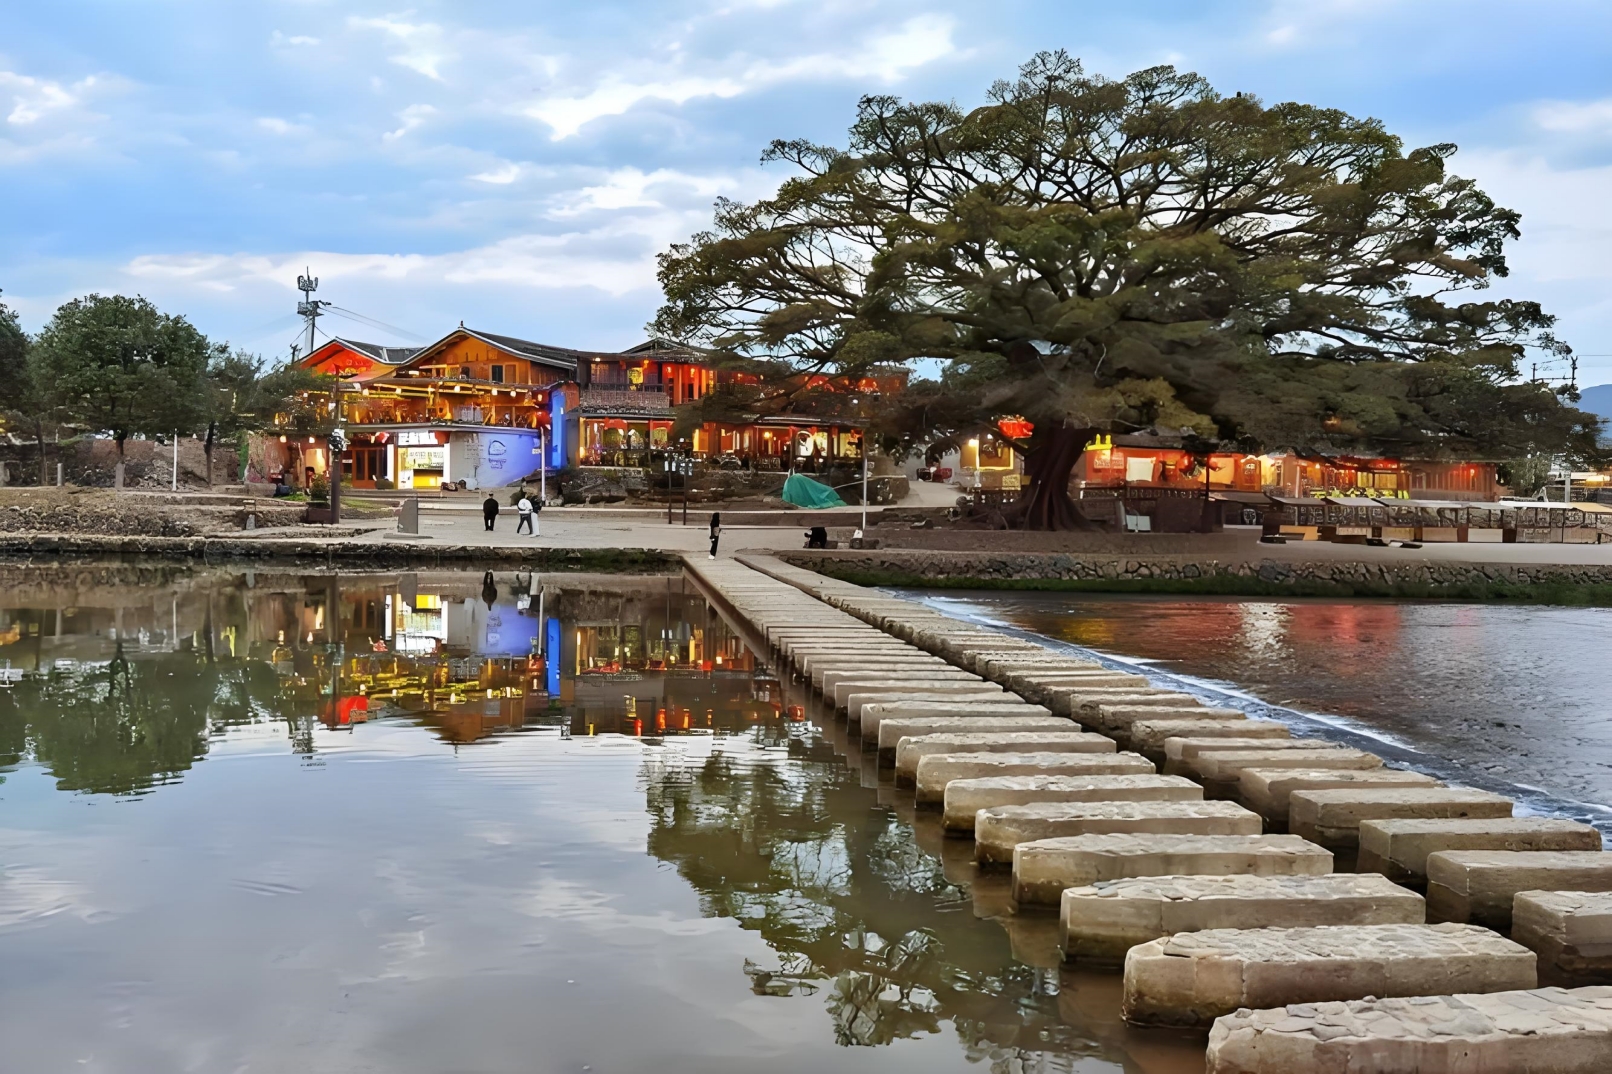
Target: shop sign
{"points": [[417, 438]]}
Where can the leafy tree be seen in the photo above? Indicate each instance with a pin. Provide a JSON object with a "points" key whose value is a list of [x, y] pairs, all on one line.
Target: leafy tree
{"points": [[243, 397], [1103, 256], [20, 401], [119, 365]]}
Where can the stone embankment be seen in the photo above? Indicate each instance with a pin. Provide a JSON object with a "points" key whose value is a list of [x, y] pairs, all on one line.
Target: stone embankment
{"points": [[95, 513], [1207, 573], [1218, 917]]}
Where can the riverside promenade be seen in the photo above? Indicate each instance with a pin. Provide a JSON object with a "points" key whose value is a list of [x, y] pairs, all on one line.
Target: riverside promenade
{"points": [[1220, 915]]}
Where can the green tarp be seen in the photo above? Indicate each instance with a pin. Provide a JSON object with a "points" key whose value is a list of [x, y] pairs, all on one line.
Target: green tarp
{"points": [[802, 491]]}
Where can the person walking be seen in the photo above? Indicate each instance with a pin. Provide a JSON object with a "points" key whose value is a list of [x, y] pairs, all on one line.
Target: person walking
{"points": [[489, 511], [716, 531], [525, 509]]}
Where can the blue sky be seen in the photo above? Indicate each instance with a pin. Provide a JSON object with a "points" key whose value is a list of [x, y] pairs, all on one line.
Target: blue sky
{"points": [[517, 165]]}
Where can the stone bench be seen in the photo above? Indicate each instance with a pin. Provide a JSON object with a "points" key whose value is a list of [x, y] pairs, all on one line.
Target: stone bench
{"points": [[1193, 978], [1399, 848], [1220, 771], [939, 769], [1480, 885], [1570, 931], [1068, 739], [892, 731], [1042, 869], [1152, 736], [1332, 817], [1542, 1031], [997, 831], [1104, 920], [1269, 791], [966, 797]]}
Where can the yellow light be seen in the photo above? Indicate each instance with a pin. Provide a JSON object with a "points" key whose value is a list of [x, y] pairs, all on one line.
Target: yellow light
{"points": [[282, 438], [310, 439]]}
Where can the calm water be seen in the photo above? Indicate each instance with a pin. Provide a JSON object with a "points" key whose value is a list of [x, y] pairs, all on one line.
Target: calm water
{"points": [[438, 822], [1519, 698]]}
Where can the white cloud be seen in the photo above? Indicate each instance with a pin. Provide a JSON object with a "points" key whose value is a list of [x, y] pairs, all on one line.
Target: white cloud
{"points": [[421, 44], [34, 98], [1575, 117], [629, 188], [412, 116], [276, 125], [886, 57], [296, 40], [500, 176]]}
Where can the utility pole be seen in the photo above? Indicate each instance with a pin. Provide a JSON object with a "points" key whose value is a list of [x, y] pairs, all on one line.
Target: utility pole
{"points": [[308, 308]]}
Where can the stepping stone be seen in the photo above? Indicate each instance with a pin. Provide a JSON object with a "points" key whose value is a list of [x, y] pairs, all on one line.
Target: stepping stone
{"points": [[1221, 770], [1153, 735], [1005, 705], [1399, 848], [1195, 977], [888, 690], [1479, 885], [939, 769], [819, 668], [1070, 739], [1042, 688], [997, 831], [1082, 702], [891, 732], [1117, 719], [1332, 817], [1269, 791], [1042, 869], [899, 676], [966, 797], [1103, 921], [1570, 931], [1541, 1031]]}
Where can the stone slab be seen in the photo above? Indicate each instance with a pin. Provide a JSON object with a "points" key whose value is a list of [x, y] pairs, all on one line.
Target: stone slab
{"points": [[1399, 848], [1480, 885], [858, 695], [1332, 817], [1042, 869], [898, 676], [1269, 791], [966, 797], [998, 830], [1540, 1031], [939, 769], [1570, 931], [892, 731], [1117, 719], [887, 684], [1226, 766], [1082, 702], [1151, 735], [1195, 977], [872, 715], [1102, 921], [1068, 739]]}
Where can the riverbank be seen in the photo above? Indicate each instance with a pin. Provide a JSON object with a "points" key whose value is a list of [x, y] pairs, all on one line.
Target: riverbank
{"points": [[1386, 577]]}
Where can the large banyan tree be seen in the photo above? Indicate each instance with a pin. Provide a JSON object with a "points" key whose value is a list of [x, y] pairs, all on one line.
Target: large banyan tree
{"points": [[1107, 256]]}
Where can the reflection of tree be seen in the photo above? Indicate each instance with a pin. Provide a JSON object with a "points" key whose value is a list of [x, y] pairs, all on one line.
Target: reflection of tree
{"points": [[131, 723], [840, 891]]}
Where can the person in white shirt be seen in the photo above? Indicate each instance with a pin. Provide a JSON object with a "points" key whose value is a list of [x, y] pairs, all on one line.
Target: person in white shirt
{"points": [[525, 510]]}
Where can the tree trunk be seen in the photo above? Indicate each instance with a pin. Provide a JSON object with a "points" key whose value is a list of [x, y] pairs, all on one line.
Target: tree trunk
{"points": [[1046, 504], [117, 477], [207, 450]]}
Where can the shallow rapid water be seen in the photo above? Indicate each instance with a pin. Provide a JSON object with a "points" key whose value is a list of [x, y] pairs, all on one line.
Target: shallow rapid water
{"points": [[442, 822], [1518, 698]]}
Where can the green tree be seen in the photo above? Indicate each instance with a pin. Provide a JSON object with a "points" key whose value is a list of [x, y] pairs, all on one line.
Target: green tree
{"points": [[21, 404], [119, 365], [243, 397], [1098, 255]]}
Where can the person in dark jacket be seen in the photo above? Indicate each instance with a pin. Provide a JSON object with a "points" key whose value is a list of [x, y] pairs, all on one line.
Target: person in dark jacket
{"points": [[489, 511], [716, 531]]}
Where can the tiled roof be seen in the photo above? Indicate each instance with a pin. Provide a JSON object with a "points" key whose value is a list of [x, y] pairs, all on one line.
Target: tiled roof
{"points": [[388, 355]]}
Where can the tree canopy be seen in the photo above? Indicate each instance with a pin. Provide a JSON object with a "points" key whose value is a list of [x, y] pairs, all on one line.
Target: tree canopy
{"points": [[1100, 255], [120, 365]]}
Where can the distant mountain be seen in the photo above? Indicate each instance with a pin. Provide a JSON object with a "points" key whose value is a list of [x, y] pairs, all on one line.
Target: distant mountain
{"points": [[1598, 400]]}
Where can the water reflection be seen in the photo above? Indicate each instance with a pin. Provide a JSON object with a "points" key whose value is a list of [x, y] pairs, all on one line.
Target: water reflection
{"points": [[117, 685]]}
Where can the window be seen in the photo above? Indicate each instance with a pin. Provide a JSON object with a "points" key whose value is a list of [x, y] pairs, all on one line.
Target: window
{"points": [[497, 374], [464, 372]]}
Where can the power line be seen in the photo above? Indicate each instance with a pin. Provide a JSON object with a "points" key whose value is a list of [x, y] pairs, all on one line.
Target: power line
{"points": [[371, 321]]}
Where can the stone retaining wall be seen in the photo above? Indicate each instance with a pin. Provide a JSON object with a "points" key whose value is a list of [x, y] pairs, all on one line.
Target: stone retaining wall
{"points": [[372, 555], [1186, 573]]}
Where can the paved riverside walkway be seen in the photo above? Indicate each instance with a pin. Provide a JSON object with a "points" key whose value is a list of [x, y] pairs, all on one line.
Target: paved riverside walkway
{"points": [[1351, 941]]}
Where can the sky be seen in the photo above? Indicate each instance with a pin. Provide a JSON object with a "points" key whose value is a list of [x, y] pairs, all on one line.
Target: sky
{"points": [[517, 164]]}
